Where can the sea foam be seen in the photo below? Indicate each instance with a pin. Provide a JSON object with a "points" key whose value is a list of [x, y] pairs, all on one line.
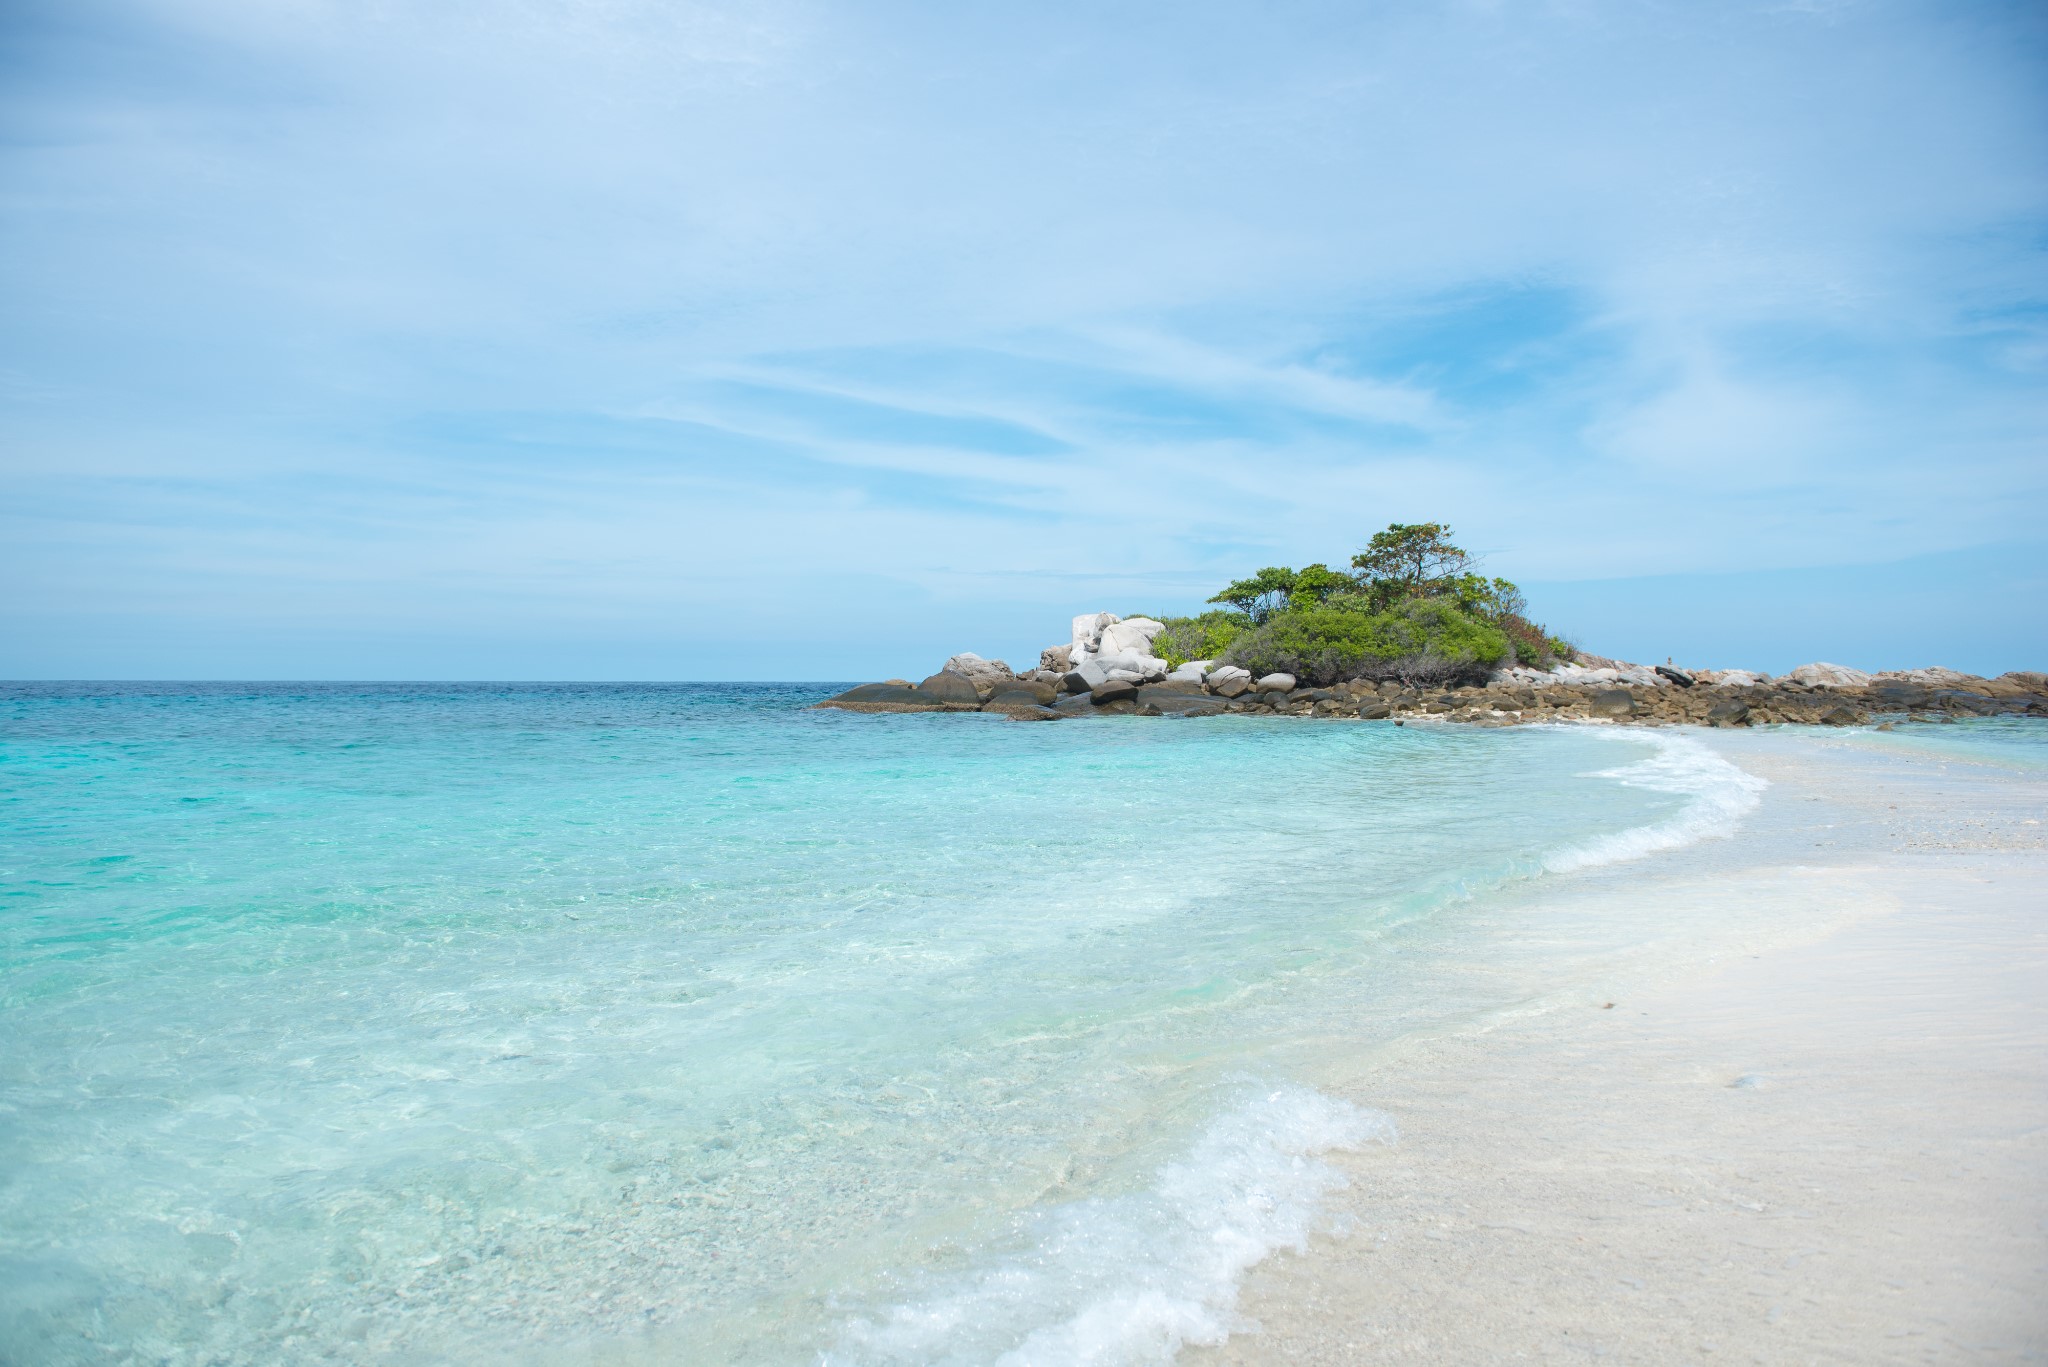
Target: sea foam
{"points": [[1130, 1279], [1718, 794]]}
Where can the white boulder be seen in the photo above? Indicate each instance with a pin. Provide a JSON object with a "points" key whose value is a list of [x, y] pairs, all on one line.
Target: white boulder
{"points": [[1736, 678], [1283, 683], [1228, 680], [1133, 635], [1088, 629], [1191, 672], [1092, 672], [1821, 675]]}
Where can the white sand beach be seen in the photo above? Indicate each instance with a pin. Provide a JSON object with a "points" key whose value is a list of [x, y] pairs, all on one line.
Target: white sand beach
{"points": [[1824, 1152]]}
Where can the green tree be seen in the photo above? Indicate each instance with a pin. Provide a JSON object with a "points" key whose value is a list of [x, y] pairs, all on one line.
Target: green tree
{"points": [[1410, 560], [1485, 597], [1262, 595], [1314, 585]]}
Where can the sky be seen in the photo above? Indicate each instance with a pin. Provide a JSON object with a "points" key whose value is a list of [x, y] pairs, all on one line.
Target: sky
{"points": [[617, 340]]}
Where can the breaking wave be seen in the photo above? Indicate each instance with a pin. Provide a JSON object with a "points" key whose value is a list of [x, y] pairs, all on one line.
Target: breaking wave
{"points": [[1719, 793], [1114, 1281]]}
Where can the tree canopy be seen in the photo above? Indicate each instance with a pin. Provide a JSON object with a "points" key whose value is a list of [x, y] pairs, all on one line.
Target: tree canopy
{"points": [[1410, 560], [1412, 606]]}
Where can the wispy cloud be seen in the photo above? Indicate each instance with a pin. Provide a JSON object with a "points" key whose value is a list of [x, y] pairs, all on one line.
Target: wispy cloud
{"points": [[509, 322]]}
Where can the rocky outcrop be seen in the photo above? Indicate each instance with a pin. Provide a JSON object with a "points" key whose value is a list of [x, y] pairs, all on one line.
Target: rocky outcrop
{"points": [[985, 675], [1110, 672]]}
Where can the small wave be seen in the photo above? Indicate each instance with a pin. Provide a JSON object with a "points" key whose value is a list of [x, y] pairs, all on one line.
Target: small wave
{"points": [[1721, 795], [1115, 1281]]}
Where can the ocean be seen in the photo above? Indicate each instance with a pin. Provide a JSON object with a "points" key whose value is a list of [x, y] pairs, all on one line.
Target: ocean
{"points": [[685, 1023]]}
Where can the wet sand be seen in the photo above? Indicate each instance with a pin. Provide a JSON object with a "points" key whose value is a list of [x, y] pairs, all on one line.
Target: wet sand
{"points": [[1832, 1152]]}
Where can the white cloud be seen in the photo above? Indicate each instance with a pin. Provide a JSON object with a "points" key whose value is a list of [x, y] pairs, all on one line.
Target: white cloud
{"points": [[262, 248]]}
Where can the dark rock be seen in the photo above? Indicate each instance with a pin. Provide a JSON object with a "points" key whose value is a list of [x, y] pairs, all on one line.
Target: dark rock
{"points": [[883, 693], [1728, 712], [1895, 694], [947, 687], [1375, 711], [1033, 714], [1841, 716], [1075, 705], [1677, 676], [1178, 702], [1113, 690], [1956, 701], [1023, 695], [1075, 683], [1612, 702]]}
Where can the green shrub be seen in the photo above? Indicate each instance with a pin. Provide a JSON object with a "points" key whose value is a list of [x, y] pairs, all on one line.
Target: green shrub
{"points": [[1197, 638], [1421, 640]]}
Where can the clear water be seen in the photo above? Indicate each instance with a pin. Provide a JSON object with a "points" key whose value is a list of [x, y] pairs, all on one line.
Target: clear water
{"points": [[684, 1023], [2019, 744]]}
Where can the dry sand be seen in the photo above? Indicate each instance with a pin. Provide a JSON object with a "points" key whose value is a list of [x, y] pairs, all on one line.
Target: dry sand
{"points": [[1834, 1152]]}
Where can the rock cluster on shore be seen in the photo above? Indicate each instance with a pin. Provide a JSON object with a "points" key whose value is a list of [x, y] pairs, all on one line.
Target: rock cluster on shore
{"points": [[1107, 668]]}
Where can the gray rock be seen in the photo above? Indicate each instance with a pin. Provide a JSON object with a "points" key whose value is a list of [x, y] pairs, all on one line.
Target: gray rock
{"points": [[1229, 680], [1276, 683], [1611, 702], [877, 692], [1179, 701], [1076, 683], [1029, 695], [881, 697], [1839, 715], [946, 687], [1677, 676], [1056, 659], [1728, 712], [1113, 690], [986, 675]]}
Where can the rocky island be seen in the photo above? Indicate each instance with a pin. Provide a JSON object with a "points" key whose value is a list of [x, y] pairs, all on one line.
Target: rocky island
{"points": [[1410, 633]]}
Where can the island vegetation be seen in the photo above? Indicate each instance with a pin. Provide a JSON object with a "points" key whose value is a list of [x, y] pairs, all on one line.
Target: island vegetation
{"points": [[1411, 607], [1410, 629]]}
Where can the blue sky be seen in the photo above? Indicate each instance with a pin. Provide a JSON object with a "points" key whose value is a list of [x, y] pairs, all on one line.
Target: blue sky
{"points": [[659, 340]]}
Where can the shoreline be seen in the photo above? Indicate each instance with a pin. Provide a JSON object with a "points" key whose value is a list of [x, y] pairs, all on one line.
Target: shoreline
{"points": [[1833, 1148], [1504, 701]]}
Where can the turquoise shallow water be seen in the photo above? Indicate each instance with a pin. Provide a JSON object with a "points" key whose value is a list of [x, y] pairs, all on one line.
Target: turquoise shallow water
{"points": [[429, 1023]]}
